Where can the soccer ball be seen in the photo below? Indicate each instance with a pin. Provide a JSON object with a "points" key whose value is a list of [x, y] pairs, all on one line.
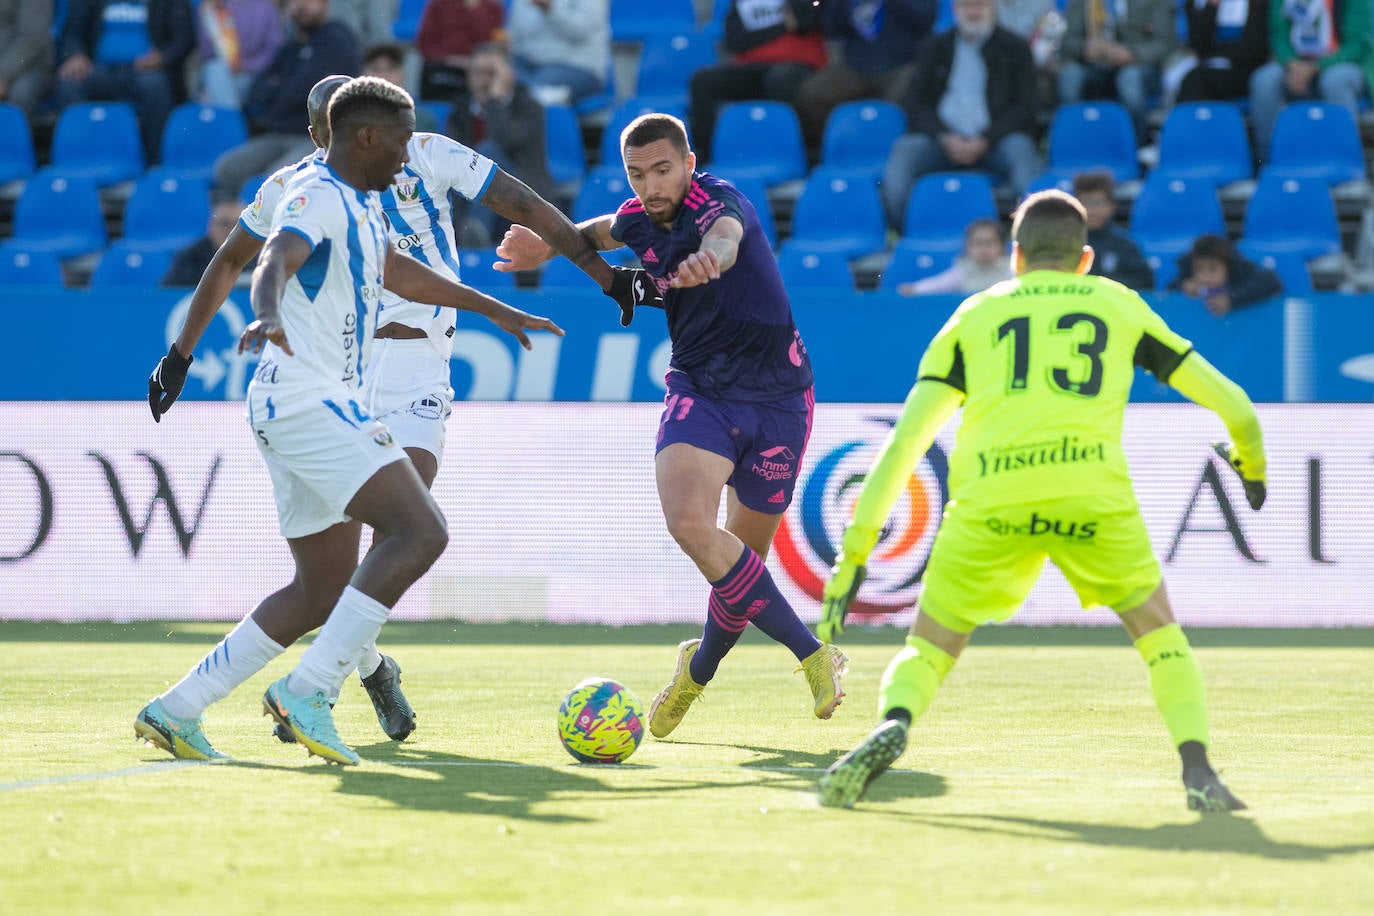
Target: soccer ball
{"points": [[600, 721]]}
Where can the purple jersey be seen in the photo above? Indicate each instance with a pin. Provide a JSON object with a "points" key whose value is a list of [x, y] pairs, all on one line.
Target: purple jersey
{"points": [[734, 336]]}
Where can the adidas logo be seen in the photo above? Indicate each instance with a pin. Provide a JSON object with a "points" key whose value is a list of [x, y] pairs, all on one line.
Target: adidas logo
{"points": [[778, 497], [650, 257]]}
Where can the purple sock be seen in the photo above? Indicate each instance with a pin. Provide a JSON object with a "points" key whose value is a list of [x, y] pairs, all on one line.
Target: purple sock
{"points": [[748, 591], [718, 637]]}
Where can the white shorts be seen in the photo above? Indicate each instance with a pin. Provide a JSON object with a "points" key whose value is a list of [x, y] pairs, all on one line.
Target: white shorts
{"points": [[319, 458], [408, 390]]}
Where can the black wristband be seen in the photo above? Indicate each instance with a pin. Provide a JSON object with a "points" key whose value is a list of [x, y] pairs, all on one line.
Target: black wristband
{"points": [[177, 361]]}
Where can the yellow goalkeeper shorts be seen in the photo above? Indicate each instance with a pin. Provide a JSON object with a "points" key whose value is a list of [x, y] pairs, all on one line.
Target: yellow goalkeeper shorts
{"points": [[986, 560]]}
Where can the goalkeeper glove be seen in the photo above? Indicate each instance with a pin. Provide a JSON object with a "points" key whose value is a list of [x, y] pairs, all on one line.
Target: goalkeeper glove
{"points": [[1254, 488], [839, 593], [166, 382], [632, 286]]}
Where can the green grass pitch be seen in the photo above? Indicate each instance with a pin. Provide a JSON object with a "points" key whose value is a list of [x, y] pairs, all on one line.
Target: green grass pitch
{"points": [[1041, 781]]}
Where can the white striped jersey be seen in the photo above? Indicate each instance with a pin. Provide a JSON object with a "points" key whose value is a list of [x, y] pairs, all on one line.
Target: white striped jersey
{"points": [[417, 206], [329, 306], [256, 218]]}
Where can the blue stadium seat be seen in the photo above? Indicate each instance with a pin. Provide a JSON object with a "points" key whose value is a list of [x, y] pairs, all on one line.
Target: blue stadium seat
{"points": [[757, 193], [912, 261], [61, 214], [600, 194], [666, 65], [1316, 140], [408, 20], [1291, 215], [641, 20], [859, 134], [126, 265], [1088, 136], [1164, 265], [99, 141], [476, 270], [624, 113], [1291, 268], [195, 134], [19, 265], [1170, 213], [838, 213], [760, 140], [165, 212], [563, 138], [599, 102], [441, 110], [249, 192], [16, 144], [941, 206], [1048, 181], [1205, 141], [802, 269]]}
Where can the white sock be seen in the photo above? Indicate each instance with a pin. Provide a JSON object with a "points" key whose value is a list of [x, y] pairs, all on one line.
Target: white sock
{"points": [[369, 661], [239, 656], [355, 622]]}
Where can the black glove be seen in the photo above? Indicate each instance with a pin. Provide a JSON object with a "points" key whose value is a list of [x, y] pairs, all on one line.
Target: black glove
{"points": [[166, 382], [631, 286], [1254, 489]]}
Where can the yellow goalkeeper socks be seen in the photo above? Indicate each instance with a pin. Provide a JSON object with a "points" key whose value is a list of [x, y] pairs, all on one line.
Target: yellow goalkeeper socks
{"points": [[1176, 682], [912, 678]]}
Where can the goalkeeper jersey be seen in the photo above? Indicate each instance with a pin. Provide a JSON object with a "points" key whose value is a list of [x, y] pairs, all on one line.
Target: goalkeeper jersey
{"points": [[1045, 362]]}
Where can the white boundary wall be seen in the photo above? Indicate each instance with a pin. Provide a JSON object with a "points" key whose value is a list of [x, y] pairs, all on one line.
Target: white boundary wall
{"points": [[554, 517]]}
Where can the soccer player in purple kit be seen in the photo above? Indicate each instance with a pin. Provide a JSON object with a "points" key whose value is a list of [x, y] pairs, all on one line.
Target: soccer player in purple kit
{"points": [[738, 409]]}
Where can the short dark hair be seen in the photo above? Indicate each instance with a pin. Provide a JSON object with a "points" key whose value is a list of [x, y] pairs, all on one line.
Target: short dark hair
{"points": [[317, 103], [366, 97], [1095, 182], [654, 126], [1214, 247], [1050, 227], [390, 50]]}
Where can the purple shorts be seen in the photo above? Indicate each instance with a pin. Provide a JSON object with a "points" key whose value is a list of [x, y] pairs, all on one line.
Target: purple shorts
{"points": [[765, 439]]}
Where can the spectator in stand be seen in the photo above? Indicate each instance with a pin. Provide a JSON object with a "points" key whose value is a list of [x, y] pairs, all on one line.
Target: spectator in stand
{"points": [[370, 21], [316, 48], [388, 61], [1215, 272], [561, 48], [449, 30], [1322, 50], [499, 117], [984, 262], [773, 49], [26, 52], [1227, 41], [1115, 49], [126, 51], [877, 40], [237, 40], [190, 262], [972, 104], [1116, 256], [1042, 25]]}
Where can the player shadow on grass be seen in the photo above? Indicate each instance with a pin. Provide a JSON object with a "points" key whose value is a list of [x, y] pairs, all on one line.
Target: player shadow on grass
{"points": [[427, 780], [1209, 833], [808, 767]]}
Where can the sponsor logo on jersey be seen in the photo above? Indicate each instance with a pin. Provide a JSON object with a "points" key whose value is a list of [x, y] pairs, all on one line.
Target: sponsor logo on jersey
{"points": [[296, 205], [1021, 456], [1037, 525]]}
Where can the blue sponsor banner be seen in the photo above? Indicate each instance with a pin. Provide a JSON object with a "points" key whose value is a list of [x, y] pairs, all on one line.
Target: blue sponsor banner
{"points": [[865, 347]]}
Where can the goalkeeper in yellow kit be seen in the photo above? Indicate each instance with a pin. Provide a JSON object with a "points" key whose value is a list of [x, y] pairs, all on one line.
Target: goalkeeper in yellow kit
{"points": [[1043, 366]]}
